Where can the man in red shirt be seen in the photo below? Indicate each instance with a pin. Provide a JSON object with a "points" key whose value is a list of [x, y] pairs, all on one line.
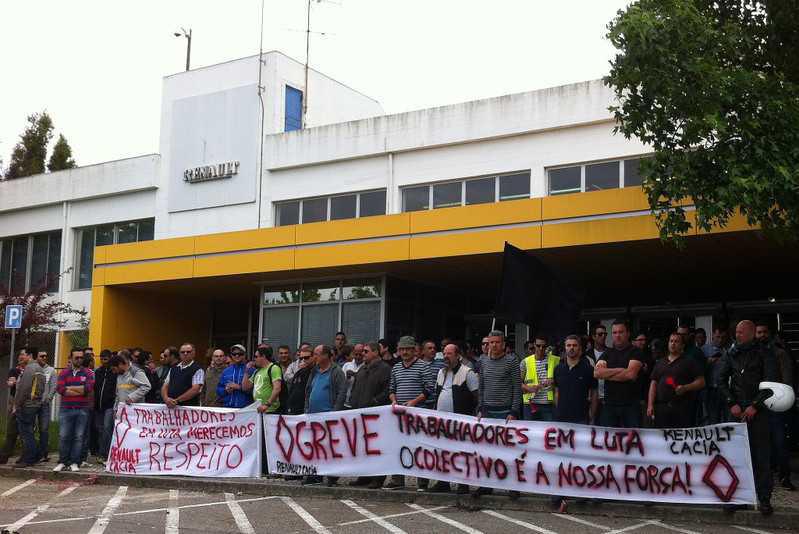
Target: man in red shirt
{"points": [[75, 385]]}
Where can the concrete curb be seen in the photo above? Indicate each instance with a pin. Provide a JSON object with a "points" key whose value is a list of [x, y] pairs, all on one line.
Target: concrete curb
{"points": [[783, 518]]}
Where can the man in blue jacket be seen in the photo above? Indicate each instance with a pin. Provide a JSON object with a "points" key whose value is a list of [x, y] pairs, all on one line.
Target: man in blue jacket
{"points": [[229, 391]]}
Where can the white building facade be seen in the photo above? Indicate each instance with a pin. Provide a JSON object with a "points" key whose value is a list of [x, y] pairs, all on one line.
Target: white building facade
{"points": [[231, 159]]}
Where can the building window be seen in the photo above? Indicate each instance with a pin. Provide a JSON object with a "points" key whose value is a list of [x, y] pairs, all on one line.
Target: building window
{"points": [[565, 181], [293, 109], [595, 176], [105, 234], [345, 207], [30, 263], [466, 192], [480, 191], [314, 210], [514, 186], [288, 213], [602, 176], [373, 203], [313, 312], [632, 172], [447, 195], [416, 198], [331, 208]]}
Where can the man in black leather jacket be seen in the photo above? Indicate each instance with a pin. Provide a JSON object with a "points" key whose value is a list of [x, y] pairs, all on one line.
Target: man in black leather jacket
{"points": [[747, 364]]}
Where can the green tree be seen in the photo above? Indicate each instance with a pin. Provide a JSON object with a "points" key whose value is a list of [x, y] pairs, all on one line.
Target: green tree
{"points": [[61, 158], [713, 87], [29, 154]]}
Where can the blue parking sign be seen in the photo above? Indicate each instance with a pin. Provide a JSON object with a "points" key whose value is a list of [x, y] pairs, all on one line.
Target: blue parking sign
{"points": [[13, 316]]}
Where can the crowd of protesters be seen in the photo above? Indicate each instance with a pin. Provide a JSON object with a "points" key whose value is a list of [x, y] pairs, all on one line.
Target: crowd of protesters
{"points": [[627, 382]]}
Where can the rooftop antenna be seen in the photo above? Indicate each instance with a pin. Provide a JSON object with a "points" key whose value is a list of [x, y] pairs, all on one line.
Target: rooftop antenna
{"points": [[307, 54], [308, 33]]}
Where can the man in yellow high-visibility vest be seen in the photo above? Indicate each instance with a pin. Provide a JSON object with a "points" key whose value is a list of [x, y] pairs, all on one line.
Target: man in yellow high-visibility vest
{"points": [[537, 373]]}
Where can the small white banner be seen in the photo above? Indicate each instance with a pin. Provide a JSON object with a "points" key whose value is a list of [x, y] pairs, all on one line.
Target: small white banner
{"points": [[151, 439], [706, 465]]}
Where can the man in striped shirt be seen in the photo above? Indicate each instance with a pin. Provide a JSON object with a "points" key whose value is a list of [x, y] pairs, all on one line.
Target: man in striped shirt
{"points": [[75, 385], [409, 386], [500, 387]]}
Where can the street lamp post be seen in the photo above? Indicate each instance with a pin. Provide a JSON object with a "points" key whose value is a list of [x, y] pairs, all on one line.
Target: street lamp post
{"points": [[187, 35]]}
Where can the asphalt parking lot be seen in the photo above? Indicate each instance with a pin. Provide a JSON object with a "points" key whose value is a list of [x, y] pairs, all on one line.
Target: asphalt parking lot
{"points": [[40, 506]]}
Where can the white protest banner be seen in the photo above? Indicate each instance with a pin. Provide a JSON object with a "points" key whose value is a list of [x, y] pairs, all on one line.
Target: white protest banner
{"points": [[151, 439], [707, 465]]}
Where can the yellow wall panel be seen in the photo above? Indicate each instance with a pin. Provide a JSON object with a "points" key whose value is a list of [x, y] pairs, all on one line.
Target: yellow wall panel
{"points": [[377, 226], [149, 271], [280, 236], [513, 211], [129, 318], [594, 203], [148, 250], [98, 276], [99, 255], [599, 231], [461, 244], [737, 223], [252, 262], [352, 254]]}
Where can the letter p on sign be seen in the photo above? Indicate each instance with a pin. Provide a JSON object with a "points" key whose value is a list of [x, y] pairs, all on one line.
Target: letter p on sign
{"points": [[13, 316]]}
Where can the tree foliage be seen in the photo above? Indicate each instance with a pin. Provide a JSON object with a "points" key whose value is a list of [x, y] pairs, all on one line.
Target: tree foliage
{"points": [[61, 158], [41, 313], [713, 87], [30, 153]]}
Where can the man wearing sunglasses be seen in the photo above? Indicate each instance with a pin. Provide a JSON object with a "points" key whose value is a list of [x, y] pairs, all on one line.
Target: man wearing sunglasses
{"points": [[230, 391], [537, 374], [598, 339], [184, 383]]}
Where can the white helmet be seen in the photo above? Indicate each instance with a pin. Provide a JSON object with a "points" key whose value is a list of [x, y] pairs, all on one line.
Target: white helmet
{"points": [[783, 398]]}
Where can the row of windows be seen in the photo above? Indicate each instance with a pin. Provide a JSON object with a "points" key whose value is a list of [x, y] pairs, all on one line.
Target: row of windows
{"points": [[595, 176], [466, 192], [106, 234], [314, 312], [561, 180], [332, 208], [28, 263]]}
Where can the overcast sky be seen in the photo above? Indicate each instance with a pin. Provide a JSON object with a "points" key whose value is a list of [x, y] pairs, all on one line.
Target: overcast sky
{"points": [[97, 65]]}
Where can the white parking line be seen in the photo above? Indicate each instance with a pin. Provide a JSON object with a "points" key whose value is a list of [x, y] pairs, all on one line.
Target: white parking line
{"points": [[15, 489], [373, 517], [675, 529], [581, 521], [245, 527], [305, 515], [391, 516], [172, 514], [39, 509], [750, 529], [518, 522], [151, 510], [633, 527], [445, 519], [108, 512]]}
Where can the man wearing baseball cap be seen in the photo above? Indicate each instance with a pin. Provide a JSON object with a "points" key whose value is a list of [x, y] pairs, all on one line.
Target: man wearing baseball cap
{"points": [[410, 385], [229, 391]]}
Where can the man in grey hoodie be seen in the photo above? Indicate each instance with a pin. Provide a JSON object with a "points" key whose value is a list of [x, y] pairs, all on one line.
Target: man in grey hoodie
{"points": [[43, 417], [27, 402], [132, 382]]}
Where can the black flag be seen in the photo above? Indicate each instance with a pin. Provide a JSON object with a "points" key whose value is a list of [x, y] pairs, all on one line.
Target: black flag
{"points": [[529, 292]]}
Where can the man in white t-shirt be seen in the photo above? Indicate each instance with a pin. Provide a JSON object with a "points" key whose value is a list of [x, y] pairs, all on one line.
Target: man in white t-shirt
{"points": [[457, 387], [350, 369]]}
